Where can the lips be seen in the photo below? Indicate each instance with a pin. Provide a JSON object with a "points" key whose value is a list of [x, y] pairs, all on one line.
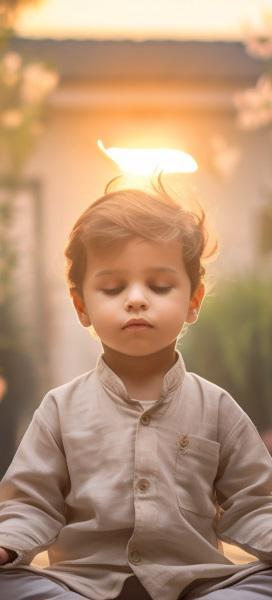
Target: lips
{"points": [[137, 323]]}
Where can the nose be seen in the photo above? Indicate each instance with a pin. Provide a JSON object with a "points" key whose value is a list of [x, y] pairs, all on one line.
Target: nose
{"points": [[136, 298]]}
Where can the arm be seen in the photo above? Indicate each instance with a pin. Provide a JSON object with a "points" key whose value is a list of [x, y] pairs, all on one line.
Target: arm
{"points": [[6, 556], [33, 489], [244, 491]]}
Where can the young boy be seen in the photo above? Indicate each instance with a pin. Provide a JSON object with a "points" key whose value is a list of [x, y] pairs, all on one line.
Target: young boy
{"points": [[133, 472]]}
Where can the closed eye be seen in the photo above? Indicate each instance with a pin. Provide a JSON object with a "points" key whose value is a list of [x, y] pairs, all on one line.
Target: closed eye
{"points": [[112, 292], [154, 288], [161, 290]]}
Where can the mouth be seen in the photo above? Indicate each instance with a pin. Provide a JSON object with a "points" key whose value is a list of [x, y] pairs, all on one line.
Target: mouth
{"points": [[137, 327], [137, 324]]}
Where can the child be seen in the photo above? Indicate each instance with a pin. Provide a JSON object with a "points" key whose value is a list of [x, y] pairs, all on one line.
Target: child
{"points": [[133, 472]]}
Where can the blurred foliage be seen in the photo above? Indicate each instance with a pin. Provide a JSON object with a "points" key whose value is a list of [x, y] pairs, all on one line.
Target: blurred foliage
{"points": [[9, 10], [231, 345], [265, 237], [24, 90]]}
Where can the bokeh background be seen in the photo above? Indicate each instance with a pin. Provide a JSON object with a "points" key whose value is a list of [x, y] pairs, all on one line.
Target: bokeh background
{"points": [[192, 76]]}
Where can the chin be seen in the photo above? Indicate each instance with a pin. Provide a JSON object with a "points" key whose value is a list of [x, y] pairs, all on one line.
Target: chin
{"points": [[137, 352]]}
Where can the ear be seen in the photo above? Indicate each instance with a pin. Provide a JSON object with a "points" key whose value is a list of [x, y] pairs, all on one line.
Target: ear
{"points": [[195, 304], [79, 305]]}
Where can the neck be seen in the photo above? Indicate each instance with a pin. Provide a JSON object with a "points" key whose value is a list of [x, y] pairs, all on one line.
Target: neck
{"points": [[140, 369]]}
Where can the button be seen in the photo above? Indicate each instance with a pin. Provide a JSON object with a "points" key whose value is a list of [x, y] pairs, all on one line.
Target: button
{"points": [[135, 557], [143, 485], [145, 419]]}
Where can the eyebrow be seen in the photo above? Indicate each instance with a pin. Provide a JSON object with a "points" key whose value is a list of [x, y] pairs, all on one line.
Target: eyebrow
{"points": [[115, 271]]}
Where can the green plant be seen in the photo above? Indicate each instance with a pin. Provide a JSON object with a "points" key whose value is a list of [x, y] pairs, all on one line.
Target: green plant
{"points": [[231, 344]]}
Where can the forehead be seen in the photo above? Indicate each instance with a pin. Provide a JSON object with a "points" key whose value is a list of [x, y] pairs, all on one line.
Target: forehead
{"points": [[137, 255]]}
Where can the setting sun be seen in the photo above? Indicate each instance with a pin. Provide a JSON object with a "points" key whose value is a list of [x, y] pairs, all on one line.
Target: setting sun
{"points": [[144, 161]]}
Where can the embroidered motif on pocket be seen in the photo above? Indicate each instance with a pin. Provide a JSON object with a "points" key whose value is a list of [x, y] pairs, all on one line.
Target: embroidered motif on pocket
{"points": [[183, 444]]}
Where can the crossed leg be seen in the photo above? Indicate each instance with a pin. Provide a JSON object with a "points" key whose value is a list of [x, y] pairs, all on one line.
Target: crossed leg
{"points": [[257, 586]]}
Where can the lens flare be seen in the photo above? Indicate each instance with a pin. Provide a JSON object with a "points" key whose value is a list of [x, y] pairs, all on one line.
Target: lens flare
{"points": [[145, 161]]}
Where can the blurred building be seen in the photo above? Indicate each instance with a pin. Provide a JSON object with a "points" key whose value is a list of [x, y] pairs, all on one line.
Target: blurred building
{"points": [[166, 93]]}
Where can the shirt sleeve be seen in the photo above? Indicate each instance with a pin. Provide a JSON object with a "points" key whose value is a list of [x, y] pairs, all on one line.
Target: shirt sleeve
{"points": [[244, 490], [33, 490]]}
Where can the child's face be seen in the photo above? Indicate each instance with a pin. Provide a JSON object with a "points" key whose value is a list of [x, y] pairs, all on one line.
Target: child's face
{"points": [[144, 280]]}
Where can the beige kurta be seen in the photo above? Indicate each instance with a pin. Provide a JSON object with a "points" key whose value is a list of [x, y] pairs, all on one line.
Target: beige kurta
{"points": [[113, 487]]}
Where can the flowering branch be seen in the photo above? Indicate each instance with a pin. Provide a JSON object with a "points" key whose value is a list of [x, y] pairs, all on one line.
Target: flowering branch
{"points": [[253, 105], [24, 90], [9, 10]]}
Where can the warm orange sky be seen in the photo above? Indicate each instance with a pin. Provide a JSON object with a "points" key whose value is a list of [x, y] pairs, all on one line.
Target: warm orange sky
{"points": [[141, 19]]}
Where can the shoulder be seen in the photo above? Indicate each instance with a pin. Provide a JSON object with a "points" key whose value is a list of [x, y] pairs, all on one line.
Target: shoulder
{"points": [[208, 391], [74, 385], [204, 385], [63, 402], [214, 403]]}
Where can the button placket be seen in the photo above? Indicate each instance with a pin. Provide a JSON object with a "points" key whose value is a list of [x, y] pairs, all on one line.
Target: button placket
{"points": [[144, 480]]}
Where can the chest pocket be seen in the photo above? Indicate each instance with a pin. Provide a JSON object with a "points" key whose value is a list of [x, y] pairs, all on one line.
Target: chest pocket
{"points": [[195, 470]]}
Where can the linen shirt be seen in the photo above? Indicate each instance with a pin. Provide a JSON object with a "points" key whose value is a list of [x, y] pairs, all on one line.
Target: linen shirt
{"points": [[114, 488]]}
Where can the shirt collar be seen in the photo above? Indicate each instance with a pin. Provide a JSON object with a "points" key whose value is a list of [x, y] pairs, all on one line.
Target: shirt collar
{"points": [[113, 383]]}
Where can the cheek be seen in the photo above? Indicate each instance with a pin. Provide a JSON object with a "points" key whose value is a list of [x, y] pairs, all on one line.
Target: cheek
{"points": [[178, 307], [179, 299], [102, 309]]}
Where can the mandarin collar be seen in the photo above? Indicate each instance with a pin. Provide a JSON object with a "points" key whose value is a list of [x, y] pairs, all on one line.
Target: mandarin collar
{"points": [[113, 383]]}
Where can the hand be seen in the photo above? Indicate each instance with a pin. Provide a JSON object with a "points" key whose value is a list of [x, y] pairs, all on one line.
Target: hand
{"points": [[7, 556]]}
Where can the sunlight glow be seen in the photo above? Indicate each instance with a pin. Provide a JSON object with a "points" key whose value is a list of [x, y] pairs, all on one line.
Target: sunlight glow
{"points": [[163, 19], [145, 161]]}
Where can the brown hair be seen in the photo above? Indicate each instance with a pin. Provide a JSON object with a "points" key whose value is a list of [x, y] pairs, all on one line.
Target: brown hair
{"points": [[120, 215]]}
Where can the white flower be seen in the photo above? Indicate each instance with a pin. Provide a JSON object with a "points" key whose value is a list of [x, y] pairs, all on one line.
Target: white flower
{"points": [[12, 61], [37, 82], [11, 64], [3, 387], [260, 47], [225, 156], [11, 119], [258, 38], [254, 105]]}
